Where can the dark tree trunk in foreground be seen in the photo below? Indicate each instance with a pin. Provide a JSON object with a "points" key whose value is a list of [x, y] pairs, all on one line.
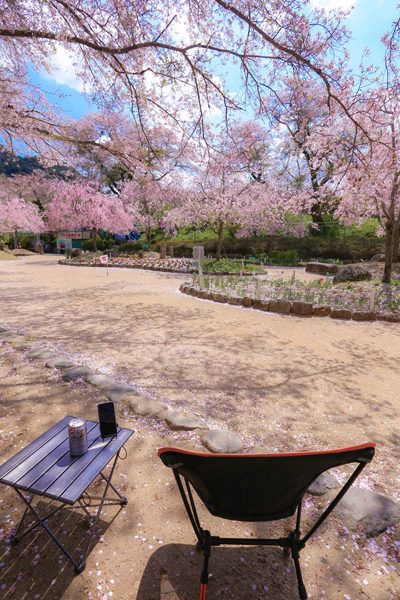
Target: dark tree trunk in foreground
{"points": [[396, 242], [148, 235], [94, 237], [219, 241]]}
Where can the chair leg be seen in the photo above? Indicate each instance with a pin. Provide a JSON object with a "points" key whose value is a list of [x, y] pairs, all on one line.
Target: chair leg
{"points": [[206, 549], [294, 536]]}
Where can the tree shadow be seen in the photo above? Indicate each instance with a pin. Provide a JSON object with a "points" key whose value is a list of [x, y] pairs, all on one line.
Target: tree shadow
{"points": [[36, 567]]}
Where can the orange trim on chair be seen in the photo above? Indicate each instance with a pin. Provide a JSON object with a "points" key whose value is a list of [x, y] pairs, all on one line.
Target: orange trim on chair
{"points": [[283, 454]]}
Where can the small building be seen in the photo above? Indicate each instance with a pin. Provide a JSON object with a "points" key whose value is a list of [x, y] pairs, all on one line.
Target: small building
{"points": [[72, 239]]}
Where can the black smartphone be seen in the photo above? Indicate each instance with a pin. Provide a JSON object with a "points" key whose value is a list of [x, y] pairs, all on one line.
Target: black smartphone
{"points": [[107, 421]]}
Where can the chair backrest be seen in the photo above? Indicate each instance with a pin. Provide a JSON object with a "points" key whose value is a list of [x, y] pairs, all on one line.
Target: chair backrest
{"points": [[257, 487]]}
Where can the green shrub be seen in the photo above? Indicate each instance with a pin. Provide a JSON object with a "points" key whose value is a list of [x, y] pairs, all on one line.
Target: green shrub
{"points": [[101, 244], [130, 247], [285, 257]]}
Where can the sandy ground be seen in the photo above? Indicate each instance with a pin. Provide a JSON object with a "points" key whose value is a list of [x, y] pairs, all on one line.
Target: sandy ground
{"points": [[281, 382]]}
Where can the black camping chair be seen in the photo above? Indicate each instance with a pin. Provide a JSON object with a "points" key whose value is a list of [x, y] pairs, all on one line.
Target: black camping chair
{"points": [[257, 487]]}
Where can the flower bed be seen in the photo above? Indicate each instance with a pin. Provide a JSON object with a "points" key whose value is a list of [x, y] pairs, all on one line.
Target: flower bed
{"points": [[361, 301], [174, 265]]}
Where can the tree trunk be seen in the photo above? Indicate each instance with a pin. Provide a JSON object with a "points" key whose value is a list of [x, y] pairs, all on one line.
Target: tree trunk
{"points": [[396, 242], [219, 242], [94, 236], [148, 235], [387, 271], [16, 243]]}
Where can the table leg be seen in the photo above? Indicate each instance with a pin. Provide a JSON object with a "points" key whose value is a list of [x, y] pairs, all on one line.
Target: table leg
{"points": [[41, 521], [123, 503]]}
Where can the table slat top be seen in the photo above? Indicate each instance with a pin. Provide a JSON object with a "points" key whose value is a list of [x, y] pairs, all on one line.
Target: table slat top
{"points": [[46, 467]]}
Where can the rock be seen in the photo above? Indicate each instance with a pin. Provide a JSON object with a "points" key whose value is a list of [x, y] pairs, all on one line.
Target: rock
{"points": [[340, 313], [234, 300], [321, 268], [59, 362], [178, 420], [366, 508], [321, 311], [119, 392], [222, 441], [220, 298], [3, 329], [390, 318], [146, 407], [5, 334], [41, 353], [323, 484], [280, 306], [14, 338], [261, 305], [99, 380], [302, 308], [24, 345], [377, 258], [247, 302], [352, 273], [75, 372], [361, 315]]}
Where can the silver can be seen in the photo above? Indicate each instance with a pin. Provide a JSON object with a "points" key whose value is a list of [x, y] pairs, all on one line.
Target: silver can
{"points": [[77, 437]]}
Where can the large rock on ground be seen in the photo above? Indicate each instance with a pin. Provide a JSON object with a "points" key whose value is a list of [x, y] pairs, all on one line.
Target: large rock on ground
{"points": [[75, 372], [321, 311], [302, 308], [59, 362], [14, 338], [42, 353], [177, 420], [321, 268], [279, 306], [362, 315], [222, 441], [323, 483], [120, 391], [366, 508], [99, 380], [146, 407], [340, 313], [352, 273]]}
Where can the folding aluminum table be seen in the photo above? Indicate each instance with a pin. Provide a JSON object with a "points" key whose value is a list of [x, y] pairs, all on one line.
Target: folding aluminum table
{"points": [[46, 468]]}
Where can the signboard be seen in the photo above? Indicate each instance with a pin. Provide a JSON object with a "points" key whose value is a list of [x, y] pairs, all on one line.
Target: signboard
{"points": [[67, 243], [74, 235]]}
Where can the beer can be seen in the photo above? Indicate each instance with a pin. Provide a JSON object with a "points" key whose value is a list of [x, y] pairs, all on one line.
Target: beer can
{"points": [[77, 437]]}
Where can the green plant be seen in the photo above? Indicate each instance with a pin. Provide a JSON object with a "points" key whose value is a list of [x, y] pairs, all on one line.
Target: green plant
{"points": [[284, 257], [130, 247]]}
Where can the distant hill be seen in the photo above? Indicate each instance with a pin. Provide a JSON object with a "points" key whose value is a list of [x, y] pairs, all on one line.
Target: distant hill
{"points": [[11, 164]]}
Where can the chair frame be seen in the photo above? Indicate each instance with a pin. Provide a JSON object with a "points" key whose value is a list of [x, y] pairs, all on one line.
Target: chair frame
{"points": [[293, 543]]}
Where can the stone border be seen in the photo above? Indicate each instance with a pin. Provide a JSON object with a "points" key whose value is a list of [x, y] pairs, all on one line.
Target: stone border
{"points": [[63, 261], [376, 514], [215, 440], [285, 307]]}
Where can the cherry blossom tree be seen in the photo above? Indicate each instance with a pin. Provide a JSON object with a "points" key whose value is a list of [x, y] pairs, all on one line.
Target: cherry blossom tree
{"points": [[148, 201], [315, 143], [18, 215], [82, 204], [372, 187], [167, 59]]}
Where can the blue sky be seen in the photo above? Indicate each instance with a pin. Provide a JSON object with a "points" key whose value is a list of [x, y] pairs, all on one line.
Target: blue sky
{"points": [[368, 22]]}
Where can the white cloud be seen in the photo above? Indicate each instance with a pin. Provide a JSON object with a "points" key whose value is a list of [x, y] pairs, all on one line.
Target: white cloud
{"points": [[64, 71], [332, 4]]}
